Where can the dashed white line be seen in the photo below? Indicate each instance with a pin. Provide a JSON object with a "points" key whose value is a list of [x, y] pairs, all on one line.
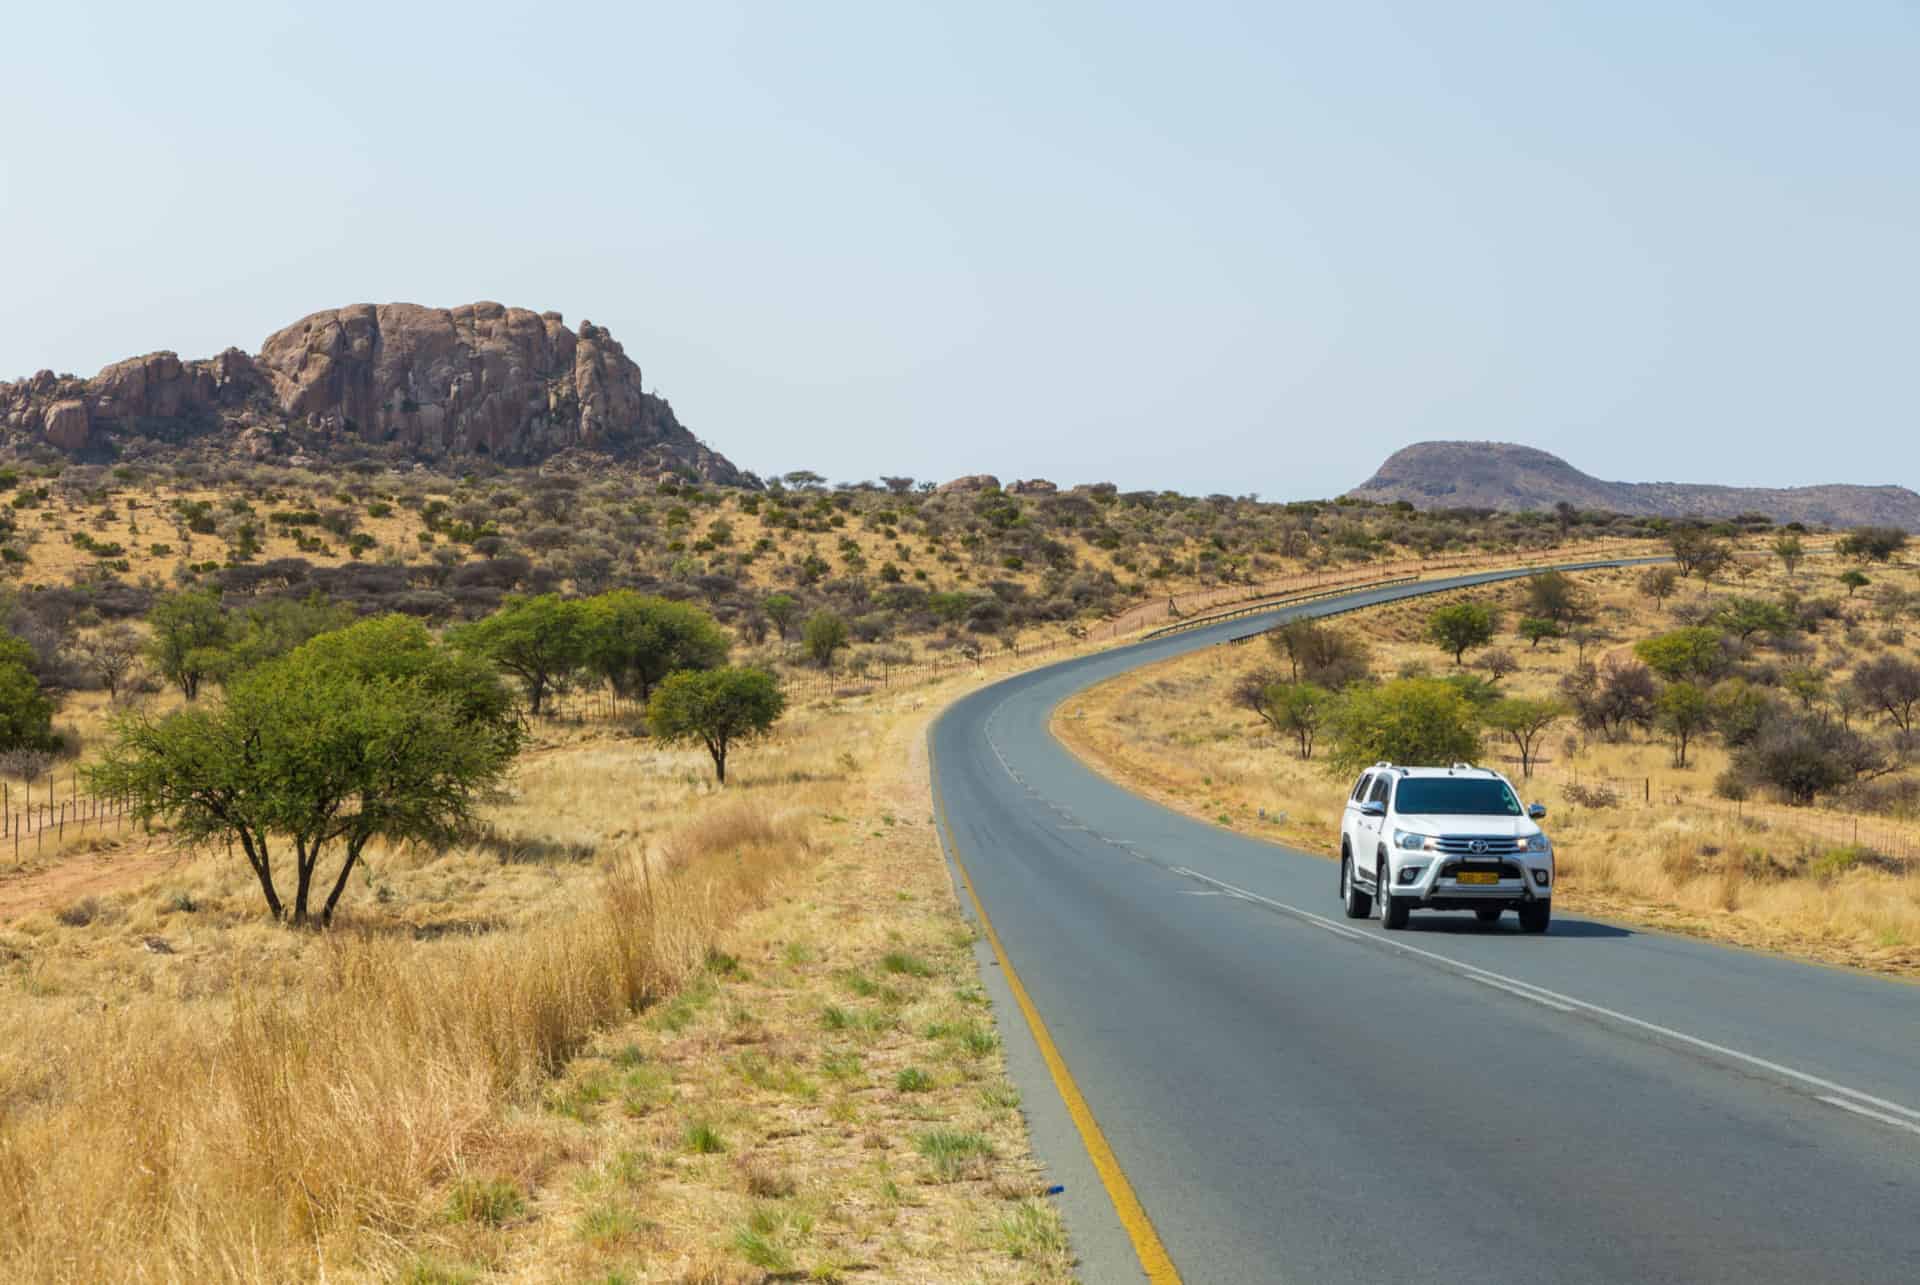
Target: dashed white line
{"points": [[1871, 1114], [1836, 1094], [1515, 990]]}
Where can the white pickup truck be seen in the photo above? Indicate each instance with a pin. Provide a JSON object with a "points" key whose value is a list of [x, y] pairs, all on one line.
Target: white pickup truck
{"points": [[1443, 838]]}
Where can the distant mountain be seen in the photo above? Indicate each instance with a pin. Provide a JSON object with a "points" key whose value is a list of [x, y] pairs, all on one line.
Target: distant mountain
{"points": [[394, 381], [1500, 475]]}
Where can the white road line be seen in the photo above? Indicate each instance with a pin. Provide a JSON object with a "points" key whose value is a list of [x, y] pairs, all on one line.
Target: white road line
{"points": [[1881, 1116], [1515, 990], [1856, 1100]]}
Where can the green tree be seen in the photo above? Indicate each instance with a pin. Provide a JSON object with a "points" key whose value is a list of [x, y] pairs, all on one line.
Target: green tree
{"points": [[1407, 720], [1695, 549], [633, 640], [1745, 617], [26, 712], [1525, 722], [1659, 583], [1682, 711], [272, 629], [1788, 548], [541, 641], [720, 708], [1552, 595], [1683, 654], [374, 731], [1460, 627], [1872, 543], [1298, 709], [1534, 629], [825, 634], [1855, 580], [188, 635], [782, 609]]}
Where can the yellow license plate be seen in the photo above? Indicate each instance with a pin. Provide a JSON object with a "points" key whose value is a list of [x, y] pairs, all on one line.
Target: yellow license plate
{"points": [[1477, 876]]}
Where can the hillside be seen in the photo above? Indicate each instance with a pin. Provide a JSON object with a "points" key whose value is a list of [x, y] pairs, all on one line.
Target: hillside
{"points": [[391, 382], [1503, 476]]}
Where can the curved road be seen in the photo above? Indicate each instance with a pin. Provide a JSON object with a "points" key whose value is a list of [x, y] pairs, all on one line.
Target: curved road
{"points": [[1293, 1096]]}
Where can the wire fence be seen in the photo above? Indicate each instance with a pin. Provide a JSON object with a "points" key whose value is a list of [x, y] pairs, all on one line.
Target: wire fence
{"points": [[32, 813], [1890, 838]]}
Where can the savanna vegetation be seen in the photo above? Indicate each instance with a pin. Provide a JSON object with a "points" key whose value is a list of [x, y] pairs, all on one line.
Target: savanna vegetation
{"points": [[413, 970], [1726, 743]]}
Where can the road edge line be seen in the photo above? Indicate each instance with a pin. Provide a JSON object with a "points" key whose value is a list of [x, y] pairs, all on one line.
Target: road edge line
{"points": [[1155, 1261]]}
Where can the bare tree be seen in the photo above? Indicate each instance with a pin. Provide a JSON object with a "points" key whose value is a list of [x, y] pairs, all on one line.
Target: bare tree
{"points": [[111, 653]]}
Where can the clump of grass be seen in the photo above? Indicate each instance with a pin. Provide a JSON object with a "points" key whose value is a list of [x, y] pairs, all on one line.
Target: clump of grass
{"points": [[78, 914], [913, 1080], [840, 1066], [494, 1201], [702, 1139], [769, 1237], [905, 965], [999, 1097], [767, 1181], [1032, 1230], [860, 984], [608, 1224], [951, 1152], [577, 1100], [797, 953]]}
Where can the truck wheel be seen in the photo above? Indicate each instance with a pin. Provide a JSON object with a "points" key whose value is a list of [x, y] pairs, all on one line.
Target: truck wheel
{"points": [[1358, 904], [1393, 910], [1535, 915], [1488, 915]]}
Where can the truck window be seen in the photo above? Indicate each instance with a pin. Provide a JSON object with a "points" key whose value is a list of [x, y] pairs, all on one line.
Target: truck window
{"points": [[1381, 784], [1360, 787]]}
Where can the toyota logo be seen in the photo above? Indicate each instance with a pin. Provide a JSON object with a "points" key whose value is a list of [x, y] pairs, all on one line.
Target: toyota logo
{"points": [[1478, 845]]}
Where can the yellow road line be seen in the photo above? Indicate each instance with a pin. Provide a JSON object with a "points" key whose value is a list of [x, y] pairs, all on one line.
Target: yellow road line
{"points": [[1154, 1259]]}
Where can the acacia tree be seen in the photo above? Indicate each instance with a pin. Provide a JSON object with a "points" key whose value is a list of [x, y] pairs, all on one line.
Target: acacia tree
{"points": [[1892, 686], [1460, 627], [189, 632], [1524, 722], [1788, 548], [633, 640], [111, 653], [541, 641], [371, 732], [1682, 711], [782, 609], [825, 634], [1407, 720], [720, 708], [1298, 709]]}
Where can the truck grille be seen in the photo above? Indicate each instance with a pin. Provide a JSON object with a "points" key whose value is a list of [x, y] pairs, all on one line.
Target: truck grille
{"points": [[1464, 845], [1507, 869]]}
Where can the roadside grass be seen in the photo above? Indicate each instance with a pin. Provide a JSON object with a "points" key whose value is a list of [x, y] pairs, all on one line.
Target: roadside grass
{"points": [[593, 1049], [1764, 876]]}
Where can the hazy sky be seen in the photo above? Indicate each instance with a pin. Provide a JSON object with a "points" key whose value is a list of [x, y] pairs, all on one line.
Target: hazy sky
{"points": [[1207, 246]]}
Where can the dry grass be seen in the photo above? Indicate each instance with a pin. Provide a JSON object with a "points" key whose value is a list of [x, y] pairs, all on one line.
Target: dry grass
{"points": [[1762, 875], [496, 1067]]}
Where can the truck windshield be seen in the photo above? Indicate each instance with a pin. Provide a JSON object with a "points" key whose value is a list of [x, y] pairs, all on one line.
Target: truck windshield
{"points": [[1455, 796]]}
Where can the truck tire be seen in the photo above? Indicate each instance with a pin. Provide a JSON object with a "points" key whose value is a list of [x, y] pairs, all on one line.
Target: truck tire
{"points": [[1393, 910], [1357, 903], [1535, 916]]}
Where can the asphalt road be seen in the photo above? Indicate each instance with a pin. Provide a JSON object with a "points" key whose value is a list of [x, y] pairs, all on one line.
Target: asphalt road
{"points": [[1298, 1097]]}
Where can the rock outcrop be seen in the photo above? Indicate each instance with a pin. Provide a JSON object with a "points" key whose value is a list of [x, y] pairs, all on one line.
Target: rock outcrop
{"points": [[1500, 475], [972, 482], [397, 379]]}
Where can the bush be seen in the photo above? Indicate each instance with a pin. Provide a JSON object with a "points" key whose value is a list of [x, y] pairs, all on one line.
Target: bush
{"points": [[1408, 720], [824, 634]]}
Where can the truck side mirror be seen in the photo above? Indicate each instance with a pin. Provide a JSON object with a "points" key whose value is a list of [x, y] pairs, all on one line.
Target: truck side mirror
{"points": [[1537, 811]]}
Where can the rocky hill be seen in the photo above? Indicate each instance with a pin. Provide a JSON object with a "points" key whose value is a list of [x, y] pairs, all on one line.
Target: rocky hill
{"points": [[1499, 475], [394, 381]]}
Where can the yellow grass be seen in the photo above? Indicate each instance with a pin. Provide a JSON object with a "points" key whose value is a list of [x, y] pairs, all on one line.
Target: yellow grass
{"points": [[1760, 874], [261, 1104]]}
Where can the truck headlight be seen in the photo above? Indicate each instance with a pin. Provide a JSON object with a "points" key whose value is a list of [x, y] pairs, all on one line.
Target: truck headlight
{"points": [[1538, 843], [1412, 842]]}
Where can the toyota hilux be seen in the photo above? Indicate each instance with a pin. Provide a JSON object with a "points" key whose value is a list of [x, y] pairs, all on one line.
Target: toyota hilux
{"points": [[1443, 838]]}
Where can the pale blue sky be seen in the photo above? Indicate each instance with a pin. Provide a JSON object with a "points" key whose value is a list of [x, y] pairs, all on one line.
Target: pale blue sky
{"points": [[1206, 246]]}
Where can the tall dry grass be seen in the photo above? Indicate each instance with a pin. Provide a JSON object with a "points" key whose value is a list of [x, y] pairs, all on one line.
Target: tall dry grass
{"points": [[307, 1128]]}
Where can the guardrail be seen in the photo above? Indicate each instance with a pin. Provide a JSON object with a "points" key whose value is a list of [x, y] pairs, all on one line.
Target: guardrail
{"points": [[1274, 604]]}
